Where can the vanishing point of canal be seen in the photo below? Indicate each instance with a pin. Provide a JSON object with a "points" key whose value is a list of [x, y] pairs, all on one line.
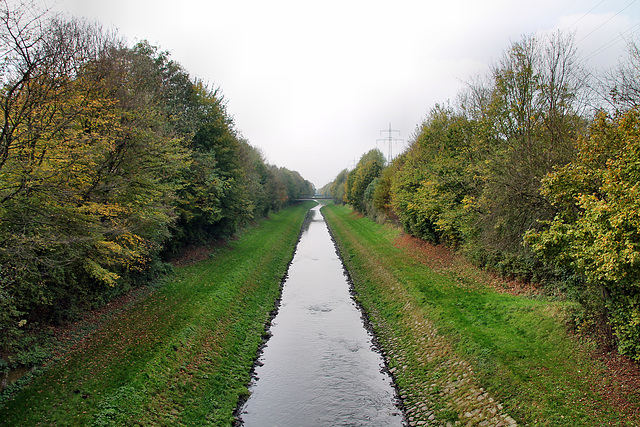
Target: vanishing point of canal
{"points": [[320, 367]]}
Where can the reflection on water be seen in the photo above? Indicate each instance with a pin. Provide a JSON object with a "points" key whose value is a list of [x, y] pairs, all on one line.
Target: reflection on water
{"points": [[319, 367]]}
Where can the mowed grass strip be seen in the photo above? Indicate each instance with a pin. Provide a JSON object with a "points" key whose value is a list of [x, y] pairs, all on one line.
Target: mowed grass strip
{"points": [[462, 353], [181, 356]]}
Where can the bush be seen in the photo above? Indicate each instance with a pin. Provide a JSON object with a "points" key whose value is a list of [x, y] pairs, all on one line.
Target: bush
{"points": [[597, 230]]}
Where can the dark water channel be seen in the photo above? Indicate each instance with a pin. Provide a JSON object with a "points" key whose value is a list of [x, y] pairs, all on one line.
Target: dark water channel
{"points": [[319, 367]]}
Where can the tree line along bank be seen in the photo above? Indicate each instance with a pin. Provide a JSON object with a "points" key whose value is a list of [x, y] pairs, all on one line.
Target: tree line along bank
{"points": [[533, 171], [112, 159]]}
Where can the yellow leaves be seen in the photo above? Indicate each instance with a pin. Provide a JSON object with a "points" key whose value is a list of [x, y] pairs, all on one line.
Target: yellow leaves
{"points": [[128, 250], [470, 203], [110, 247], [600, 194], [100, 273], [62, 140], [106, 210]]}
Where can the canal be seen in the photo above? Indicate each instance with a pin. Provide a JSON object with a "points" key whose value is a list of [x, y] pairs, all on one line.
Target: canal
{"points": [[320, 366]]}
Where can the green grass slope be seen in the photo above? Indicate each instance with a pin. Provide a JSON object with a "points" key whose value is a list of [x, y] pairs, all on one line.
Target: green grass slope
{"points": [[181, 356], [464, 354]]}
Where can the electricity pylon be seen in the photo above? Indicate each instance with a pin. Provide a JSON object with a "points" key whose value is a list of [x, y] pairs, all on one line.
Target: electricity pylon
{"points": [[391, 140]]}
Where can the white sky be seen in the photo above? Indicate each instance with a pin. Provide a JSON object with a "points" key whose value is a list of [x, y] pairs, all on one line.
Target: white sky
{"points": [[312, 84]]}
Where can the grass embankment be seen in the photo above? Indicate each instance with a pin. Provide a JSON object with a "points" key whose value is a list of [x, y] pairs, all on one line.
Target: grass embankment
{"points": [[181, 356], [460, 351]]}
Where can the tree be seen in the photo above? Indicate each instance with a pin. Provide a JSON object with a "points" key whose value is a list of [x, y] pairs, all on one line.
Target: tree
{"points": [[369, 167], [532, 122], [337, 188], [622, 86], [44, 156], [472, 175], [258, 180], [596, 232], [295, 185], [86, 169], [108, 156], [435, 177], [382, 193], [213, 200]]}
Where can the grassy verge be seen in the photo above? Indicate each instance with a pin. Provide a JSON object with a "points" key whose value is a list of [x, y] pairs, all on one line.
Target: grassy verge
{"points": [[462, 353], [181, 356]]}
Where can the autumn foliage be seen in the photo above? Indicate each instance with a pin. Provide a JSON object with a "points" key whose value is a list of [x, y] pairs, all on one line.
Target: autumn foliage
{"points": [[533, 173], [596, 231], [111, 159]]}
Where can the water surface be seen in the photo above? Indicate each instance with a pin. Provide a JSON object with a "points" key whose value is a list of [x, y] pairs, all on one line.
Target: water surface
{"points": [[319, 368]]}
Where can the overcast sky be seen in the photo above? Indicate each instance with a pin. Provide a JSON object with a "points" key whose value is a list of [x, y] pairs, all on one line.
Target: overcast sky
{"points": [[313, 83]]}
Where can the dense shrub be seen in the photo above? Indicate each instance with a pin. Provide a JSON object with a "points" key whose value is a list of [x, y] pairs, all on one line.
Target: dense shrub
{"points": [[513, 175], [109, 157], [597, 229]]}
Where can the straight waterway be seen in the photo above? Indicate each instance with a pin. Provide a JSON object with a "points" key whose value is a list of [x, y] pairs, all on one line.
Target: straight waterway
{"points": [[320, 367]]}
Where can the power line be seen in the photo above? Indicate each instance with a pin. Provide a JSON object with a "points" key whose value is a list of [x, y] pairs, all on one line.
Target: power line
{"points": [[611, 42], [598, 27], [582, 17]]}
